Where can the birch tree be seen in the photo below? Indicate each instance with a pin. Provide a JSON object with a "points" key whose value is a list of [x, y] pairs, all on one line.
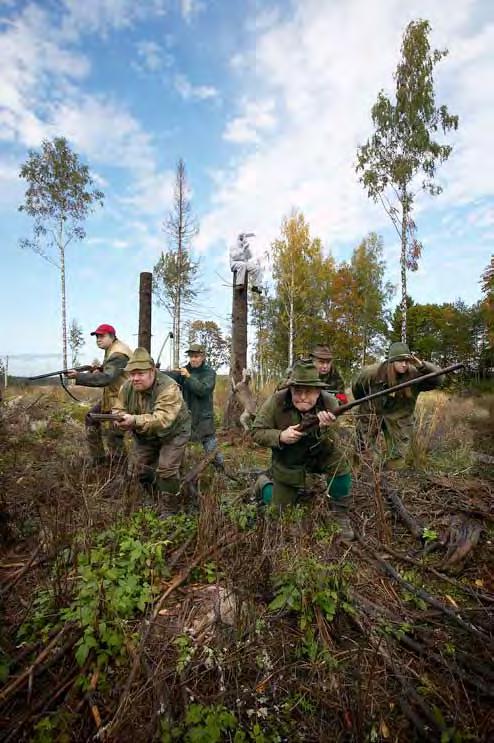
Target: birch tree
{"points": [[402, 156], [297, 266], [60, 195]]}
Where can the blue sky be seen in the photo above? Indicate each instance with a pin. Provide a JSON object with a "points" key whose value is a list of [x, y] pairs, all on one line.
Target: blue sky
{"points": [[266, 102]]}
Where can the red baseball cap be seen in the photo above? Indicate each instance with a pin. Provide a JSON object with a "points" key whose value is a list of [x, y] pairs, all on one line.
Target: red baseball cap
{"points": [[104, 328]]}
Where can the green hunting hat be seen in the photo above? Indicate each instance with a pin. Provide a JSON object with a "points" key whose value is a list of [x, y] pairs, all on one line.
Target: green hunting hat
{"points": [[140, 361], [196, 348], [321, 352], [398, 352], [306, 375]]}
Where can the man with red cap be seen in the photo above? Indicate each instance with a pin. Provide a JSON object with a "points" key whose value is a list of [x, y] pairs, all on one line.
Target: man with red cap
{"points": [[110, 377]]}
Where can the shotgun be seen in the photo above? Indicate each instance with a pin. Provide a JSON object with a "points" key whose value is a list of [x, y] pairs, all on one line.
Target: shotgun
{"points": [[115, 417], [87, 368], [312, 421]]}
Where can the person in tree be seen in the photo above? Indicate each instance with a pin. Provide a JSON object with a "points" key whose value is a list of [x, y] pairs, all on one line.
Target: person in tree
{"points": [[242, 263], [391, 415], [294, 453], [197, 381], [322, 358], [110, 377], [154, 411]]}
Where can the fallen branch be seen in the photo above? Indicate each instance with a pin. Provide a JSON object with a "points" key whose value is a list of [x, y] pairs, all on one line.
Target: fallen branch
{"points": [[431, 600], [16, 682], [413, 526]]}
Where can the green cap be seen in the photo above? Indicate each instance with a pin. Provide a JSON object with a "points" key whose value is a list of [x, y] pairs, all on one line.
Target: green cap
{"points": [[196, 348], [306, 375], [399, 352], [140, 361]]}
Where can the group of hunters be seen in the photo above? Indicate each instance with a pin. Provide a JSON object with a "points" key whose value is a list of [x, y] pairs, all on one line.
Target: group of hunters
{"points": [[163, 411]]}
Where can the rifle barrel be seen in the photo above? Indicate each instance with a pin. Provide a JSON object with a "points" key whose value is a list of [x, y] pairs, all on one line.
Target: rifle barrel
{"points": [[401, 386], [312, 421], [86, 368]]}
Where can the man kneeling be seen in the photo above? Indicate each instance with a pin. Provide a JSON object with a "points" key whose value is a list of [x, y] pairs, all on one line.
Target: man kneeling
{"points": [[295, 453], [153, 409]]}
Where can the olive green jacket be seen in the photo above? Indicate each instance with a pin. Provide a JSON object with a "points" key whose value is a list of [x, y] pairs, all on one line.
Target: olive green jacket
{"points": [[112, 376], [396, 408], [160, 412], [198, 394], [289, 462], [334, 379]]}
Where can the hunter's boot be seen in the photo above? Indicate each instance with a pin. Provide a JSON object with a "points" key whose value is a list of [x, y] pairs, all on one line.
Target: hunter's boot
{"points": [[339, 492]]}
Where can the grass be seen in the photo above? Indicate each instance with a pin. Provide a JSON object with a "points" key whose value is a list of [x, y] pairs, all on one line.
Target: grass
{"points": [[231, 623]]}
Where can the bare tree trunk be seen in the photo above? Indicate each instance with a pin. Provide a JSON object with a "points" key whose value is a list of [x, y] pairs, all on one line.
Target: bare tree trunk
{"points": [[364, 345], [403, 266], [64, 303]]}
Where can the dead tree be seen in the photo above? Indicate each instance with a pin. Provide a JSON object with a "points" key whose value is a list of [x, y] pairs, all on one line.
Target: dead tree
{"points": [[239, 349]]}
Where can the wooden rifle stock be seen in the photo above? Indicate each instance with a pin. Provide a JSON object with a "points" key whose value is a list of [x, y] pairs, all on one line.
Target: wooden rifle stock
{"points": [[312, 421], [115, 417]]}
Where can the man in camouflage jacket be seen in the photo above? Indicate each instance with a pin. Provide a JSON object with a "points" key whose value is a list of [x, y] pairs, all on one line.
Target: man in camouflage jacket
{"points": [[110, 377], [322, 358], [294, 454], [153, 409], [393, 415]]}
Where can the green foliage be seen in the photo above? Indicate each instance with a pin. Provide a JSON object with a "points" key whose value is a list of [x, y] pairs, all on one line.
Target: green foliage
{"points": [[215, 724], [403, 147], [307, 587], [429, 535], [185, 650], [115, 580], [59, 196], [412, 577], [445, 333], [209, 334]]}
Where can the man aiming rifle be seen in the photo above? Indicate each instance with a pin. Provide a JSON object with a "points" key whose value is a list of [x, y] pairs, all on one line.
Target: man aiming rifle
{"points": [[110, 376]]}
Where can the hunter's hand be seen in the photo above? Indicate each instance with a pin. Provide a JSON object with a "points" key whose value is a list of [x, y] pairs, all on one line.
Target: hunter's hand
{"points": [[71, 374], [416, 361], [325, 418], [291, 435], [184, 372], [127, 422]]}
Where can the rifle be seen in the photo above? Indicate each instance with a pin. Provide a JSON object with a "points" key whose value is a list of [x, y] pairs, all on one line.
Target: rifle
{"points": [[115, 417], [86, 368], [312, 421], [62, 372]]}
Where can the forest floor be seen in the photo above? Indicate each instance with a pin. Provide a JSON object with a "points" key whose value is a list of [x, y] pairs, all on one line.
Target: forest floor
{"points": [[228, 623]]}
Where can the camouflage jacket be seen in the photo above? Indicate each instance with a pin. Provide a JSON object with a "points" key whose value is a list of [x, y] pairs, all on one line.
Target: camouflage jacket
{"points": [[112, 376], [278, 413], [334, 379], [198, 394], [159, 412], [396, 407]]}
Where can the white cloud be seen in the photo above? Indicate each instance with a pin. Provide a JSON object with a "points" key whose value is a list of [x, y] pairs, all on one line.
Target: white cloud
{"points": [[188, 91], [322, 66], [190, 9], [258, 117], [152, 57], [102, 16]]}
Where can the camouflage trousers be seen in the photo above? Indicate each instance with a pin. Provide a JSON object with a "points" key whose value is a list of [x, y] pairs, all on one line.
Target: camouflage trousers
{"points": [[397, 437], [97, 432], [156, 461]]}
